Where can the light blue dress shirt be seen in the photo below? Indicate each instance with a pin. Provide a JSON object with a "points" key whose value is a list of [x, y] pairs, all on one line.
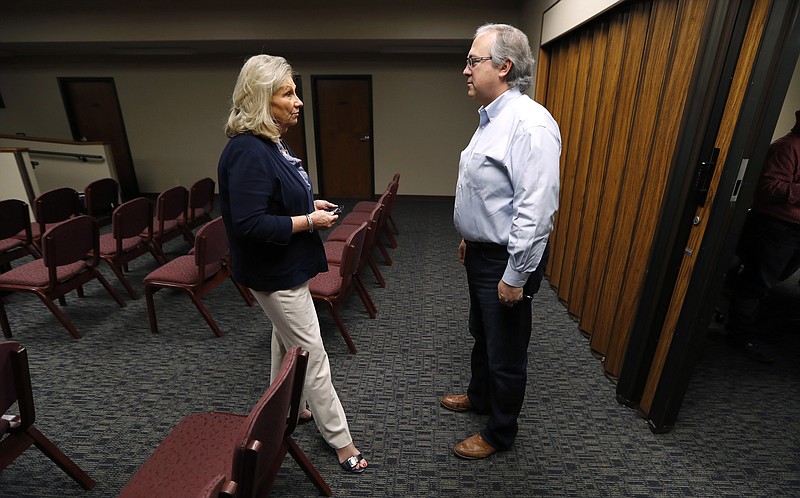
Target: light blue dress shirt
{"points": [[508, 180]]}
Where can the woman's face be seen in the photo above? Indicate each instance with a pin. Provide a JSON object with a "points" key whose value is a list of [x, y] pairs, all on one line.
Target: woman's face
{"points": [[285, 105]]}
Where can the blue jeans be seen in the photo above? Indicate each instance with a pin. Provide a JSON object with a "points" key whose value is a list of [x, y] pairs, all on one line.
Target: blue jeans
{"points": [[502, 334]]}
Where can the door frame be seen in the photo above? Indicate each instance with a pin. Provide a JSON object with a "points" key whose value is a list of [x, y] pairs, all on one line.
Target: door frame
{"points": [[129, 186], [772, 72], [318, 145]]}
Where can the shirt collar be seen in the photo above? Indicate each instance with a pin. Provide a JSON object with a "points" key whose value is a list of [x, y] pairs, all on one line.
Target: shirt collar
{"points": [[491, 111]]}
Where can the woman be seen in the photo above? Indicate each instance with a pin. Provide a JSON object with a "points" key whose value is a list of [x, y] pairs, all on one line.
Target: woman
{"points": [[272, 220]]}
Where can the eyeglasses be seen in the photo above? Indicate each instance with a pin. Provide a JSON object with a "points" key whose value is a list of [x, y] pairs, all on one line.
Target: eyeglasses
{"points": [[472, 61]]}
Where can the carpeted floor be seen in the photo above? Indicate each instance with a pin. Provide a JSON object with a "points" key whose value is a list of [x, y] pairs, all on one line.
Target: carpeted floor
{"points": [[109, 399]]}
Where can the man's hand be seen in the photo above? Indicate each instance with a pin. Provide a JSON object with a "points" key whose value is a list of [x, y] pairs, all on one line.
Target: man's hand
{"points": [[462, 248], [508, 296]]}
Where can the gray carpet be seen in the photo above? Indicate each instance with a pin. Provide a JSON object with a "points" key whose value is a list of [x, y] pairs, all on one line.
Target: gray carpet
{"points": [[109, 399]]}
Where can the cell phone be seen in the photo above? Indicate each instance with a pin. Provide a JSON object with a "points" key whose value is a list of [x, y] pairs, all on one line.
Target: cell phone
{"points": [[337, 209]]}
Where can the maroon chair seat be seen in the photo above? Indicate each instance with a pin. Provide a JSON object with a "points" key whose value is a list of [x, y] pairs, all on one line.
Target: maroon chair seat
{"points": [[196, 274], [335, 285], [6, 245], [244, 291], [64, 267], [247, 449], [18, 431], [334, 253]]}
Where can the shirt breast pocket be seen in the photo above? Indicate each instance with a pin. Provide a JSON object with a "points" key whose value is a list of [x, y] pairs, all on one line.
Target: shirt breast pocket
{"points": [[489, 176]]}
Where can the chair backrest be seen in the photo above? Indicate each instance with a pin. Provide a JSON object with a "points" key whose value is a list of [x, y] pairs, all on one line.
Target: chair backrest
{"points": [[15, 382], [270, 421], [101, 197], [211, 246], [14, 219], [56, 205], [372, 229], [172, 203], [384, 200], [352, 254], [392, 189], [201, 196], [69, 242], [132, 218]]}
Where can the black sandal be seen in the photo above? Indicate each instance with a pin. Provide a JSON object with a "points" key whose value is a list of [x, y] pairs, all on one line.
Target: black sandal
{"points": [[351, 464]]}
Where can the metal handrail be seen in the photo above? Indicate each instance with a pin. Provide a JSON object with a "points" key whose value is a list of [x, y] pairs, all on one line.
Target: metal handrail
{"points": [[81, 157]]}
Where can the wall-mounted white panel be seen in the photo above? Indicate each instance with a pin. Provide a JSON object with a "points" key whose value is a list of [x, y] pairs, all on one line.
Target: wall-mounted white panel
{"points": [[567, 15]]}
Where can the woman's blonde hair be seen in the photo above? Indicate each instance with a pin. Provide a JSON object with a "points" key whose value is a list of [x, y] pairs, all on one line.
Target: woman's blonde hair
{"points": [[260, 77]]}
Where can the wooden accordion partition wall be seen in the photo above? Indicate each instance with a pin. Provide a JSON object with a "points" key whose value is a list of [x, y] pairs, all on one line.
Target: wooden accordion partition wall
{"points": [[650, 97], [618, 87]]}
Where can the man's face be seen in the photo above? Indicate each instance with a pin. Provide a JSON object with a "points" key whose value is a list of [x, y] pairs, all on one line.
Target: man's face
{"points": [[484, 82]]}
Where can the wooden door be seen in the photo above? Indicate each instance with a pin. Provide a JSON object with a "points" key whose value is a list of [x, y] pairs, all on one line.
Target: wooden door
{"points": [[343, 126], [95, 115]]}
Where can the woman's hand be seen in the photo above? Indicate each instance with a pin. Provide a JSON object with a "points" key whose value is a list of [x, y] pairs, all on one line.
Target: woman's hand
{"points": [[323, 204], [323, 219]]}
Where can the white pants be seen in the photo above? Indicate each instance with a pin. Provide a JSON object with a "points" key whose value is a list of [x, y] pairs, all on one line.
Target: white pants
{"points": [[294, 323]]}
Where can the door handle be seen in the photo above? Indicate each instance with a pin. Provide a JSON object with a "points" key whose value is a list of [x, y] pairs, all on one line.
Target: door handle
{"points": [[702, 177], [365, 138]]}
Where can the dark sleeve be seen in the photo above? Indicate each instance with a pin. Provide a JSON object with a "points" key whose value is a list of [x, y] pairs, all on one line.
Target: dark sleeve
{"points": [[251, 186], [779, 181]]}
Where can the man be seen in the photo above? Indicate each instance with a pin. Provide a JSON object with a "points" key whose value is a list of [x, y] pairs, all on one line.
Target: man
{"points": [[770, 243], [506, 198]]}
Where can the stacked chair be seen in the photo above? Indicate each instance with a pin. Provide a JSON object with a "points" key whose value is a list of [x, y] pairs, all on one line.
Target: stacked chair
{"points": [[218, 454], [346, 262], [333, 286], [390, 227], [334, 250]]}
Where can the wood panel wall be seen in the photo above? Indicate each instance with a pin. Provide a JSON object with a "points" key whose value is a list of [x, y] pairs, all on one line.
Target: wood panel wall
{"points": [[618, 88], [733, 105]]}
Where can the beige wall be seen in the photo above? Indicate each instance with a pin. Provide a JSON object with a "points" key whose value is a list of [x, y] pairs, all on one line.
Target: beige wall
{"points": [[174, 114], [174, 107]]}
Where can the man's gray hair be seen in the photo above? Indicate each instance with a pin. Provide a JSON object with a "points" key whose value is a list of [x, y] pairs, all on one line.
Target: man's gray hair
{"points": [[511, 44]]}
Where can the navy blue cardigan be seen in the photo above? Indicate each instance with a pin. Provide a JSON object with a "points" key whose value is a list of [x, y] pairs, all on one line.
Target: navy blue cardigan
{"points": [[259, 191]]}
